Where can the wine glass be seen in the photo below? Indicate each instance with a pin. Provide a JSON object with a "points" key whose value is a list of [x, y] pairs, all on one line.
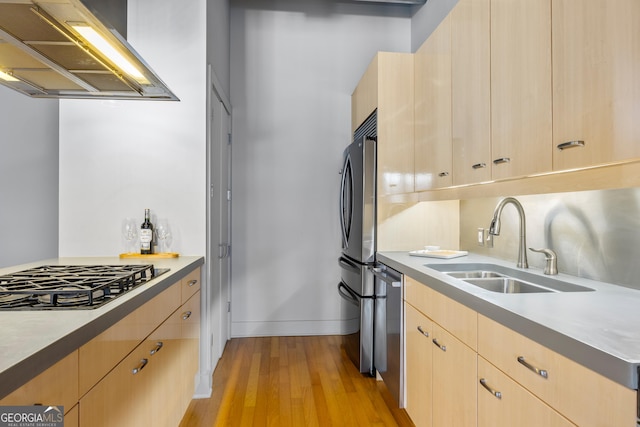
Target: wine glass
{"points": [[130, 233], [163, 234]]}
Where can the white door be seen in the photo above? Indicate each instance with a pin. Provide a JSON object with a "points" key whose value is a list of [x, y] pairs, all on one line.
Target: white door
{"points": [[219, 239]]}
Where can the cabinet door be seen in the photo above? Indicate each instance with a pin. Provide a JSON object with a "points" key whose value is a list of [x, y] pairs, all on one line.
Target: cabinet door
{"points": [[454, 381], [502, 402], [395, 148], [433, 163], [418, 367], [520, 87], [164, 347], [596, 81], [123, 397], [470, 91]]}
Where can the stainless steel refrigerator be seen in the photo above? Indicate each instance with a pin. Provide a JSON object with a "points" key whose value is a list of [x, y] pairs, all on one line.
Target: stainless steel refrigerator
{"points": [[358, 226], [371, 292]]}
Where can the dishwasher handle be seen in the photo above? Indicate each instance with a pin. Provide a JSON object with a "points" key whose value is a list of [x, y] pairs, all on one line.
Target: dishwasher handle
{"points": [[388, 276]]}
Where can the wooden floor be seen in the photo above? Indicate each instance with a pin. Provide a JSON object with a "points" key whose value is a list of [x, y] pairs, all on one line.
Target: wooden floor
{"points": [[292, 381]]}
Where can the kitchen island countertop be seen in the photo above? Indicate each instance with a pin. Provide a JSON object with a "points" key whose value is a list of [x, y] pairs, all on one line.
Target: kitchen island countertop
{"points": [[600, 329], [33, 340]]}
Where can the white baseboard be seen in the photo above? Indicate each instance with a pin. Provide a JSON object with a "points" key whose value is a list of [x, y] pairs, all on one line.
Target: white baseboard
{"points": [[288, 328], [204, 386]]}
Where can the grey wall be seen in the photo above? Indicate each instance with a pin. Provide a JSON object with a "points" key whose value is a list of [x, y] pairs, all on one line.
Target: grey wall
{"points": [[28, 178], [294, 66], [427, 18], [218, 41]]}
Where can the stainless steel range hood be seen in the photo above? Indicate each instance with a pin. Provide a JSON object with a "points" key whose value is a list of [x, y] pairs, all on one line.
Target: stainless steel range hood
{"points": [[61, 49]]}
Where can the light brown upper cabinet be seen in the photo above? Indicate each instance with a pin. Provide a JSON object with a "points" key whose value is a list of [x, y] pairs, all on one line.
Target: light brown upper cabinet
{"points": [[596, 82], [387, 85], [433, 162], [520, 87], [470, 91]]}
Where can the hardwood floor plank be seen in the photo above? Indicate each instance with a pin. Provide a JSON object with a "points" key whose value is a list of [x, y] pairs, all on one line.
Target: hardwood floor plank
{"points": [[292, 381]]}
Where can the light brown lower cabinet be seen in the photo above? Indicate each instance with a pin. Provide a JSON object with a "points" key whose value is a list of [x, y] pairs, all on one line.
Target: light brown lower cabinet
{"points": [[58, 385], [141, 371], [440, 369], [454, 378], [154, 384], [523, 383], [581, 395], [419, 350], [503, 402]]}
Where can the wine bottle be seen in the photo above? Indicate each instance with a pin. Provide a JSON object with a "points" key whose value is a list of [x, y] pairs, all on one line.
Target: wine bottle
{"points": [[146, 235]]}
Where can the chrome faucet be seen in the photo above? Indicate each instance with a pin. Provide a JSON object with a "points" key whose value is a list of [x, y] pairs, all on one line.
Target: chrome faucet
{"points": [[494, 228]]}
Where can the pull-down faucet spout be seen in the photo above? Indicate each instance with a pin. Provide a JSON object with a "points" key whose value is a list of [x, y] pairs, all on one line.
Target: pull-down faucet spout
{"points": [[494, 228]]}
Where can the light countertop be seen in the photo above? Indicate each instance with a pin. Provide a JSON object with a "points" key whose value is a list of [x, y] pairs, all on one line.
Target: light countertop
{"points": [[33, 340], [600, 329]]}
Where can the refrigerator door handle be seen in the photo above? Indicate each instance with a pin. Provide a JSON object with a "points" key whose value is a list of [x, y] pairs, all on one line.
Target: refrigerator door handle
{"points": [[348, 265], [347, 293], [346, 174]]}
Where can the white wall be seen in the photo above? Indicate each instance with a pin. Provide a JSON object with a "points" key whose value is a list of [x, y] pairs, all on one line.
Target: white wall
{"points": [[28, 178], [119, 157], [294, 66]]}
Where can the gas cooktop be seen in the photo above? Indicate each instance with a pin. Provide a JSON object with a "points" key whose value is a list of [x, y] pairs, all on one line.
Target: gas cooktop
{"points": [[56, 287]]}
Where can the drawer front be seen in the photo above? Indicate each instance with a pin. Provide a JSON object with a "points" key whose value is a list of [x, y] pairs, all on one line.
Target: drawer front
{"points": [[573, 390], [190, 285], [503, 402], [418, 295], [456, 318], [58, 385], [105, 351], [123, 397]]}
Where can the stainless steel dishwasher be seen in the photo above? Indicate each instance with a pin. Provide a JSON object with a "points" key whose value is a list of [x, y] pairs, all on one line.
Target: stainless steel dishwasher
{"points": [[387, 340]]}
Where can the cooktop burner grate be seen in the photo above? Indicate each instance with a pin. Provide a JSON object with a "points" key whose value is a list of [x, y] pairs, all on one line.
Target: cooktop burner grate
{"points": [[70, 286]]}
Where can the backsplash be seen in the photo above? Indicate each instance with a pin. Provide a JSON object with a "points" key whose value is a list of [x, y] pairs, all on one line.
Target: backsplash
{"points": [[596, 234]]}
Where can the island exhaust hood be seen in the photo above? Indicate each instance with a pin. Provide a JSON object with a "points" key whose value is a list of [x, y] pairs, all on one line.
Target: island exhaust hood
{"points": [[67, 49]]}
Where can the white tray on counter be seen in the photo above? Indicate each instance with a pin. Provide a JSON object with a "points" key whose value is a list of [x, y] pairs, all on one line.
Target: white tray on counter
{"points": [[440, 253]]}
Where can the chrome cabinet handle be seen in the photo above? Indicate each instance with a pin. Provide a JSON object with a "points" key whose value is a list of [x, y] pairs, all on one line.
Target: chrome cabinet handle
{"points": [[192, 283], [140, 367], [443, 174], [426, 334], [440, 346], [570, 144], [501, 160], [496, 393], [157, 348], [479, 166], [186, 315], [542, 372]]}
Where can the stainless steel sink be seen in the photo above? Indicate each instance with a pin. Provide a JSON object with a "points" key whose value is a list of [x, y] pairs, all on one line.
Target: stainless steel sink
{"points": [[474, 274], [507, 285], [497, 278]]}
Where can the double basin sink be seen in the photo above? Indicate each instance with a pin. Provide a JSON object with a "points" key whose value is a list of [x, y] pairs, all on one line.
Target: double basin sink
{"points": [[497, 278]]}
